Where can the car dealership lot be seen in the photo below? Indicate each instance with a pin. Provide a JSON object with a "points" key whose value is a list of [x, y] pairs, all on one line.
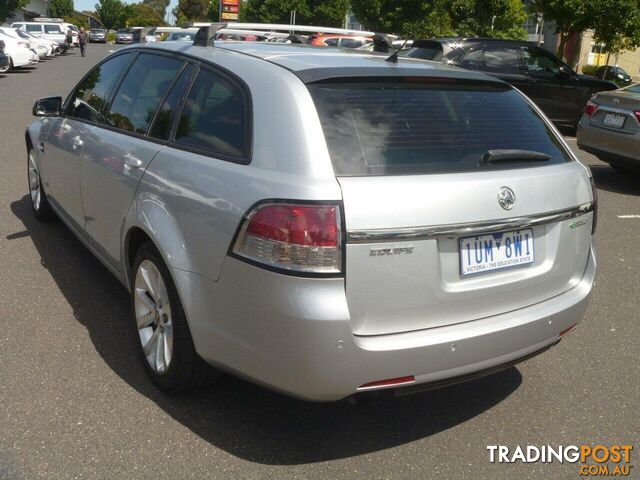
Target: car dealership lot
{"points": [[75, 400]]}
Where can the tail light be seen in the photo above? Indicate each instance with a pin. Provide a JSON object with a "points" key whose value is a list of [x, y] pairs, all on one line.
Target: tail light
{"points": [[591, 108], [594, 193], [637, 114], [295, 237]]}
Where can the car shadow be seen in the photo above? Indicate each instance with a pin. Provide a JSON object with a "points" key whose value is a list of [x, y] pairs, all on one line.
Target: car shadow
{"points": [[245, 420], [607, 178]]}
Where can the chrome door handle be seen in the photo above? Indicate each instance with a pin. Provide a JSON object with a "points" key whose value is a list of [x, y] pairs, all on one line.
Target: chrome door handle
{"points": [[76, 142], [132, 162]]}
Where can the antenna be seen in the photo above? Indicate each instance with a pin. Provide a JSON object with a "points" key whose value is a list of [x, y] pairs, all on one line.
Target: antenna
{"points": [[394, 56]]}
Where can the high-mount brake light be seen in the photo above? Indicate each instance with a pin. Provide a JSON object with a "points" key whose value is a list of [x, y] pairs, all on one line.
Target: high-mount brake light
{"points": [[297, 237]]}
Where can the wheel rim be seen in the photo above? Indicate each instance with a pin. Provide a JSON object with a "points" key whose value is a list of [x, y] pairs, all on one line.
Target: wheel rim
{"points": [[34, 183], [153, 317]]}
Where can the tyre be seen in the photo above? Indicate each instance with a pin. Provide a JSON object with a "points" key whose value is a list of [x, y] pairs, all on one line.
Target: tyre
{"points": [[39, 201], [8, 68], [163, 334]]}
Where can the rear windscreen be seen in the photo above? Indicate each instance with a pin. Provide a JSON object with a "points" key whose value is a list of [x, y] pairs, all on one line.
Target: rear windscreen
{"points": [[416, 127]]}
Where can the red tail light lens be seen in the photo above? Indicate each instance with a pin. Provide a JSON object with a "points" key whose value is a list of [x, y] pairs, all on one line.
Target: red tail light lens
{"points": [[299, 237], [637, 114], [591, 108]]}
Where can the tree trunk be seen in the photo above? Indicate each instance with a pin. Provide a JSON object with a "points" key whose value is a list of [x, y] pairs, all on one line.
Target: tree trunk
{"points": [[564, 37], [608, 56]]}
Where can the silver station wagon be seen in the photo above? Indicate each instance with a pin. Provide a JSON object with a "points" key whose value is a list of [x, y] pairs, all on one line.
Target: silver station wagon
{"points": [[318, 221]]}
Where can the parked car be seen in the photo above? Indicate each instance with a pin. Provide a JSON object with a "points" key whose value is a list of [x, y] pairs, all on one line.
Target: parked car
{"points": [[74, 33], [4, 58], [400, 225], [124, 35], [48, 31], [50, 48], [615, 74], [560, 92], [610, 128], [18, 51], [98, 35], [343, 41], [150, 36], [40, 51], [181, 36]]}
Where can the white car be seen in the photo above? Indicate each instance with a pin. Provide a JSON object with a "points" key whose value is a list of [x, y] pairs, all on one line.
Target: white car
{"points": [[20, 55], [50, 48], [49, 31], [74, 32], [39, 49]]}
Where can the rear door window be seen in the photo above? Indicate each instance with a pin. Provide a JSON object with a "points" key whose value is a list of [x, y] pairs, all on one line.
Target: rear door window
{"points": [[166, 115], [502, 59], [34, 28], [144, 87], [52, 29], [541, 63], [418, 127], [214, 119]]}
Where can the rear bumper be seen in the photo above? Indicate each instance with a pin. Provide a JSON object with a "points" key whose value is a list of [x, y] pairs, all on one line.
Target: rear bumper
{"points": [[609, 145], [294, 334]]}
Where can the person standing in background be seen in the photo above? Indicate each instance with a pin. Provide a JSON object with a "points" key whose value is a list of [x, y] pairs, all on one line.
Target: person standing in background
{"points": [[83, 38]]}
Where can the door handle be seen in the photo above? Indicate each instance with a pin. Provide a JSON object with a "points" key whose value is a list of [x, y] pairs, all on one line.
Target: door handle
{"points": [[41, 147], [132, 162], [76, 142]]}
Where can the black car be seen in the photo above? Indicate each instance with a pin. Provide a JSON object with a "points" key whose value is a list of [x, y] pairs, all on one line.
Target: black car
{"points": [[98, 35], [4, 59], [560, 92], [615, 74]]}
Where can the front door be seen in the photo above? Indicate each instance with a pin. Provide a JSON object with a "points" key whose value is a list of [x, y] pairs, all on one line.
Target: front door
{"points": [[118, 153]]}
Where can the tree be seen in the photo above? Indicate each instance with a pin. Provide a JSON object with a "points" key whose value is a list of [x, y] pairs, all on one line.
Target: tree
{"points": [[571, 17], [429, 18], [328, 13], [60, 8], [112, 13], [214, 10], [143, 15], [192, 10], [159, 6], [8, 6], [616, 24]]}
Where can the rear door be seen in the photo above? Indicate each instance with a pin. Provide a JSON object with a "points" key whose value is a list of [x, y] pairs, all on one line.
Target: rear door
{"points": [[118, 151], [438, 230]]}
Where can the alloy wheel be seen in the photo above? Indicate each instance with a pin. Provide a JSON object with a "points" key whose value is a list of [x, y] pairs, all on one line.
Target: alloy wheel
{"points": [[153, 317]]}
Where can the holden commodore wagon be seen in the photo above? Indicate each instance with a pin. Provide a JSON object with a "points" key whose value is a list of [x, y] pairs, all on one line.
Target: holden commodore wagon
{"points": [[320, 222]]}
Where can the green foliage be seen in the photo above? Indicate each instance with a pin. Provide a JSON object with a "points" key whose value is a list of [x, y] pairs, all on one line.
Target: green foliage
{"points": [[8, 6], [192, 10], [570, 17], [214, 10], [143, 15], [433, 18], [60, 8], [330, 13], [77, 19], [589, 69], [616, 24], [160, 6], [112, 13]]}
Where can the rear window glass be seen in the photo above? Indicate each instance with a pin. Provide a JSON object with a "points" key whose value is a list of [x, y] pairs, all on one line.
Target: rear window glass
{"points": [[417, 128], [52, 29]]}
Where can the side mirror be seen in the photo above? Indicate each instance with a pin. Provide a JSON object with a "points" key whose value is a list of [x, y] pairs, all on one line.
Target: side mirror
{"points": [[565, 72], [47, 107]]}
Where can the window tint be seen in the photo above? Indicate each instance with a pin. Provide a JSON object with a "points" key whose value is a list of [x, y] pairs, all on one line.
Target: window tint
{"points": [[471, 57], [89, 98], [142, 90], [214, 117], [540, 62], [52, 29], [350, 43], [331, 42], [394, 128], [634, 89], [501, 59], [164, 118], [34, 28]]}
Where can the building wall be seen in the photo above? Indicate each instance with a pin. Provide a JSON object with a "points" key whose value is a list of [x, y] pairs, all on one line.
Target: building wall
{"points": [[592, 54], [35, 8]]}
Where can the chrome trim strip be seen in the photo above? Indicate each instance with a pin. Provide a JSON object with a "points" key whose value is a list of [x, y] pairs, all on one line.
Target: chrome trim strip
{"points": [[464, 229]]}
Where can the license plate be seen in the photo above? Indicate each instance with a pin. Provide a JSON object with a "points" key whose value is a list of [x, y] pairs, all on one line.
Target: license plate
{"points": [[613, 120], [495, 251]]}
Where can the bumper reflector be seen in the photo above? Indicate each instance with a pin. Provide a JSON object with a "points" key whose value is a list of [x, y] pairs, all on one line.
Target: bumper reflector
{"points": [[391, 382], [568, 329]]}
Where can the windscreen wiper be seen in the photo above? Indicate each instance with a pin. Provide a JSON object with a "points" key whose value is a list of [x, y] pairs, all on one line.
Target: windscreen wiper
{"points": [[507, 155]]}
